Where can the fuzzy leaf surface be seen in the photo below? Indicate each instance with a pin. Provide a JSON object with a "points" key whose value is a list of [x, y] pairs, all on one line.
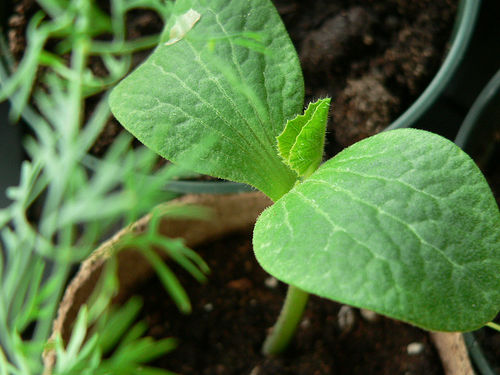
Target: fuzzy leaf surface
{"points": [[215, 95], [302, 141], [402, 223]]}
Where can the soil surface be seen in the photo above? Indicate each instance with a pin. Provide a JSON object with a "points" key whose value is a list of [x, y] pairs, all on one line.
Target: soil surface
{"points": [[373, 58], [232, 312]]}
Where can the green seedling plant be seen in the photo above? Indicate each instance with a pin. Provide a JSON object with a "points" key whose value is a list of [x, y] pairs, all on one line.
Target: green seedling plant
{"points": [[402, 223]]}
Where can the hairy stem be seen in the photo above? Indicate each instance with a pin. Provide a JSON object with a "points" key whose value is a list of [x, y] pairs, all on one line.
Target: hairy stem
{"points": [[493, 325], [284, 329]]}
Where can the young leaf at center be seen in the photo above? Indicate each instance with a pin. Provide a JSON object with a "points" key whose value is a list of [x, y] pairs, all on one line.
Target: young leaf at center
{"points": [[302, 141]]}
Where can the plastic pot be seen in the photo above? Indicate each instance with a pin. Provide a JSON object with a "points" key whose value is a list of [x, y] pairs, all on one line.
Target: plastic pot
{"points": [[463, 30], [482, 118], [475, 137]]}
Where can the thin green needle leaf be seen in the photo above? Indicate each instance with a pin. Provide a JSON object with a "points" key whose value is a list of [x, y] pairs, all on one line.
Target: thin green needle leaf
{"points": [[124, 47], [169, 280], [59, 183], [65, 356], [119, 323], [177, 251], [146, 349], [4, 365], [27, 307], [134, 333]]}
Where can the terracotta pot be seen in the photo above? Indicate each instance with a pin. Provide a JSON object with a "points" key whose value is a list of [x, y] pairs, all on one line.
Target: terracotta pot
{"points": [[231, 213]]}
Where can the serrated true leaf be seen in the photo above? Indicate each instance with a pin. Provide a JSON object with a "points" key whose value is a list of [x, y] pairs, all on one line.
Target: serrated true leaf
{"points": [[302, 141], [213, 96], [402, 223]]}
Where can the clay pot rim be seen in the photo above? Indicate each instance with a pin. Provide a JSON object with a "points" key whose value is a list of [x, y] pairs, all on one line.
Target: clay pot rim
{"points": [[232, 213]]}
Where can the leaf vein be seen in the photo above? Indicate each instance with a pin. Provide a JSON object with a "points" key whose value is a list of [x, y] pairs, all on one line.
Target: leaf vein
{"points": [[242, 77], [201, 99], [336, 227], [338, 158], [258, 171], [249, 126], [395, 218], [435, 197]]}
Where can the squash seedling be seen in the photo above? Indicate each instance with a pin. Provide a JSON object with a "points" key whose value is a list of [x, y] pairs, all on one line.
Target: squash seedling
{"points": [[402, 223]]}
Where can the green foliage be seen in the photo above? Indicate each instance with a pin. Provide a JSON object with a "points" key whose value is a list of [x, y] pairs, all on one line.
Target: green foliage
{"points": [[214, 83], [86, 351], [149, 242], [67, 201], [302, 141], [66, 22], [402, 223]]}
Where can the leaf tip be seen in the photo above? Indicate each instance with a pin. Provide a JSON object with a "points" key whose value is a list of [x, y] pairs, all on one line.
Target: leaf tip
{"points": [[301, 142]]}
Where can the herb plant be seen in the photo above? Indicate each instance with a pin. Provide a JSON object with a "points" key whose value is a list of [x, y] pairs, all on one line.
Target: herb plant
{"points": [[402, 223], [67, 201]]}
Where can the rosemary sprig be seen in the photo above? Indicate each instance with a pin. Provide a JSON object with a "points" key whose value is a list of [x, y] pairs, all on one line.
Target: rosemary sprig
{"points": [[67, 201]]}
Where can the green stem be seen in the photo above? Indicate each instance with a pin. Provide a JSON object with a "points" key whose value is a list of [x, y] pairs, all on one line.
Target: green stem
{"points": [[494, 326], [290, 316]]}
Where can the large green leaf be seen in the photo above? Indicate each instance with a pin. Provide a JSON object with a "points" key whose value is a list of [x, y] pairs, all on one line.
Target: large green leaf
{"points": [[402, 223], [217, 91]]}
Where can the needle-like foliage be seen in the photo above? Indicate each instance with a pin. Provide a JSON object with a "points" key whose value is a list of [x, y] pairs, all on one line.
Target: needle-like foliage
{"points": [[67, 201]]}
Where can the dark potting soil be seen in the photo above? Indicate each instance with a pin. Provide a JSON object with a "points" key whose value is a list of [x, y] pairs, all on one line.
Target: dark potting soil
{"points": [[373, 58], [232, 312]]}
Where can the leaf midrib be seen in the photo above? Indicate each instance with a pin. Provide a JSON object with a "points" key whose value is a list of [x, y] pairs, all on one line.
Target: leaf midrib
{"points": [[238, 67], [229, 140], [263, 145]]}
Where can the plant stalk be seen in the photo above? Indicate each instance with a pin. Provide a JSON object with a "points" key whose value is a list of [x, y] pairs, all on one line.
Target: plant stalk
{"points": [[493, 325], [284, 329]]}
